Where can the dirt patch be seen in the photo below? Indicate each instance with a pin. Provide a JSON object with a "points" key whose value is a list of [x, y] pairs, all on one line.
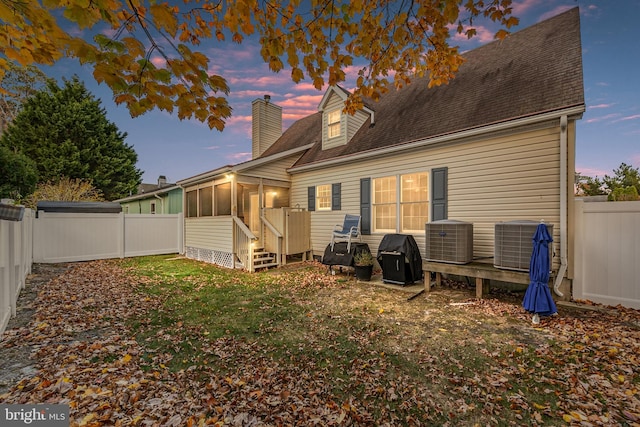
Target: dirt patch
{"points": [[15, 354]]}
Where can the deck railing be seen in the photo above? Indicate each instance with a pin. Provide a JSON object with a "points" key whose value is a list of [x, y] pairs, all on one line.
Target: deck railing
{"points": [[242, 243], [273, 239]]}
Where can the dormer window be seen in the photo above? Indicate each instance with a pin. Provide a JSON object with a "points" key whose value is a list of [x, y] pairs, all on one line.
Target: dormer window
{"points": [[333, 122]]}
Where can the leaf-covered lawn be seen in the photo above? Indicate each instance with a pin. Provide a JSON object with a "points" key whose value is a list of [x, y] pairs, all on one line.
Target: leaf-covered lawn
{"points": [[159, 341]]}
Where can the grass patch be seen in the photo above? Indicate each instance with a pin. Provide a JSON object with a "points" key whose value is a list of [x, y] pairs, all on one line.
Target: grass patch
{"points": [[444, 358]]}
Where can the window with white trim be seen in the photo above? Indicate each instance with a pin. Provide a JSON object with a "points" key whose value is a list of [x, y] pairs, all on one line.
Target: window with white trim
{"points": [[333, 123], [400, 203], [152, 207], [323, 197], [414, 202]]}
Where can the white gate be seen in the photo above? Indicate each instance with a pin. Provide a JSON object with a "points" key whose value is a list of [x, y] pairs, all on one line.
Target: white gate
{"points": [[607, 253]]}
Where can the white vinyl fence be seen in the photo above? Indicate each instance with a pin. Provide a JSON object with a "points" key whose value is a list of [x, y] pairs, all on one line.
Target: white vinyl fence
{"points": [[607, 254], [15, 263], [70, 237]]}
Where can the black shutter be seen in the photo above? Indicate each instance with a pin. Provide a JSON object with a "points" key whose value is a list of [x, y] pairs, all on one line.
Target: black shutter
{"points": [[336, 190], [311, 198], [438, 194], [365, 205]]}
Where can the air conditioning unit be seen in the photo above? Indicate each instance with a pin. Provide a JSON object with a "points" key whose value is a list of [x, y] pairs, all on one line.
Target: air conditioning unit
{"points": [[449, 240], [514, 244]]}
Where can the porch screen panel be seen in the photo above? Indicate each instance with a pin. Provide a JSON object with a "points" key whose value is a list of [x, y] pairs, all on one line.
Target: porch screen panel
{"points": [[192, 204], [206, 202], [222, 196]]}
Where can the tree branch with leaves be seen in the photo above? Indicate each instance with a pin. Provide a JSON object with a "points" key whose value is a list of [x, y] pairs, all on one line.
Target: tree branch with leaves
{"points": [[391, 42]]}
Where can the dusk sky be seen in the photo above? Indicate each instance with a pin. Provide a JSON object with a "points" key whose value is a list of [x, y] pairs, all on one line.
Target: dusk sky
{"points": [[607, 135]]}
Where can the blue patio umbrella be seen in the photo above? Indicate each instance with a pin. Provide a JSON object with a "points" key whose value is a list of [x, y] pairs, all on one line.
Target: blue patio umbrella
{"points": [[537, 298]]}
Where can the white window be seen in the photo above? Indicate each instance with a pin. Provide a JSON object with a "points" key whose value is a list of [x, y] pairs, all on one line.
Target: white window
{"points": [[333, 122], [406, 213], [384, 204], [414, 203], [323, 197]]}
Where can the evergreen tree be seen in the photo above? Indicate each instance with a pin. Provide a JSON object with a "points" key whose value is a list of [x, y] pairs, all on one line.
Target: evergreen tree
{"points": [[624, 177], [18, 174], [65, 132]]}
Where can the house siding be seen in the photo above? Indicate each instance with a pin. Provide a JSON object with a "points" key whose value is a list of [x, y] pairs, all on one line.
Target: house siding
{"points": [[355, 122], [212, 233], [333, 103], [490, 180], [266, 125], [274, 170], [172, 204]]}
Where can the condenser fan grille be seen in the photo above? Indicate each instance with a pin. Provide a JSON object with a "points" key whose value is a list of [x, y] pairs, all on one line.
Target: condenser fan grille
{"points": [[449, 241], [513, 244]]}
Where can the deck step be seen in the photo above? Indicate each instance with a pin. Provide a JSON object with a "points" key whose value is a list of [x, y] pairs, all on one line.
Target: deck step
{"points": [[263, 259], [269, 265]]}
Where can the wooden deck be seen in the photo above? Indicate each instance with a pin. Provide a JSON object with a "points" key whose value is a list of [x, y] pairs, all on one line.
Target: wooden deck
{"points": [[482, 271]]}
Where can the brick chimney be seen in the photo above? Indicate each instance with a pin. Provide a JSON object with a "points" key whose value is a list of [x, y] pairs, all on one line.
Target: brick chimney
{"points": [[266, 123]]}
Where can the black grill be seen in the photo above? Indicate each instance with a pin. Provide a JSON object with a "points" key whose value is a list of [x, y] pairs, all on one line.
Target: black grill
{"points": [[400, 260]]}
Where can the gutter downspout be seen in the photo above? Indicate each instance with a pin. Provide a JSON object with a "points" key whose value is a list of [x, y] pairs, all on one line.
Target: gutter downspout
{"points": [[161, 201], [563, 206]]}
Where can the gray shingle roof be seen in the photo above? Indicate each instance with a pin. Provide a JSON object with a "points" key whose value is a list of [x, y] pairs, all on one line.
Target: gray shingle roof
{"points": [[532, 71], [302, 132]]}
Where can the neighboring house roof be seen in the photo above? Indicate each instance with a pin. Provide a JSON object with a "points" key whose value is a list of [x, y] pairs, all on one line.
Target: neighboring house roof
{"points": [[533, 71], [147, 188], [140, 196]]}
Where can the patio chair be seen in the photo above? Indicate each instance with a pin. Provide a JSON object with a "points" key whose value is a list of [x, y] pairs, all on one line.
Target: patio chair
{"points": [[347, 231]]}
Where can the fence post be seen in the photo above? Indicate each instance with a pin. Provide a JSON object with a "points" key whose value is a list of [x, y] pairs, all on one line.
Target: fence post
{"points": [[180, 233], [5, 284], [578, 250], [121, 234], [13, 279]]}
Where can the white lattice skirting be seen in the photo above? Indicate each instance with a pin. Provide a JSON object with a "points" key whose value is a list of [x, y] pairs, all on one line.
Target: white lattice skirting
{"points": [[223, 259]]}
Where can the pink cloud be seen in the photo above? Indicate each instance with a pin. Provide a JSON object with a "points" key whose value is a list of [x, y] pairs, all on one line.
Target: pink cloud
{"points": [[591, 171], [556, 11], [602, 118], [521, 7], [238, 120], [309, 101], [483, 35], [624, 119], [158, 61], [239, 157], [251, 93], [593, 107]]}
